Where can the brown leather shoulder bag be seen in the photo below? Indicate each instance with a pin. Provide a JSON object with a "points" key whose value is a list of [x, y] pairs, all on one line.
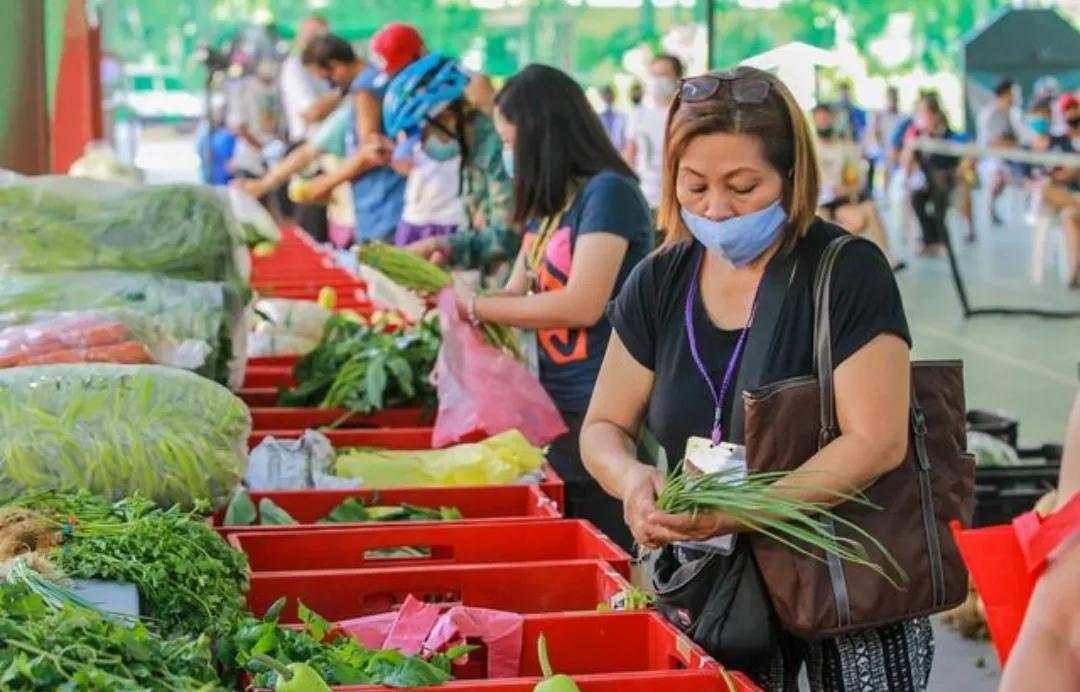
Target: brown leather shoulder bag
{"points": [[787, 422]]}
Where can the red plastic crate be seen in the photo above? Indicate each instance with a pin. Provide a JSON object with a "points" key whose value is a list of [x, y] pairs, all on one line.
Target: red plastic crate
{"points": [[405, 439], [276, 361], [259, 396], [446, 544], [280, 418], [264, 376], [476, 503], [659, 681], [618, 648], [541, 587]]}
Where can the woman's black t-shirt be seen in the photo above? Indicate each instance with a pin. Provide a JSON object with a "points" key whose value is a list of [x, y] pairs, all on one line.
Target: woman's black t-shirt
{"points": [[648, 316]]}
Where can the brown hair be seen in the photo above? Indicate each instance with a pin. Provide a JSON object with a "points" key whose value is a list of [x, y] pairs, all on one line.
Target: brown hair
{"points": [[777, 123]]}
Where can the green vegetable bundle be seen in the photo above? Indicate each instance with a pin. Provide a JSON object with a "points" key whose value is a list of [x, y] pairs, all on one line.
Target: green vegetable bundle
{"points": [[190, 581], [362, 368], [116, 430], [418, 274], [242, 512], [753, 502], [75, 649], [212, 312], [339, 660], [62, 224]]}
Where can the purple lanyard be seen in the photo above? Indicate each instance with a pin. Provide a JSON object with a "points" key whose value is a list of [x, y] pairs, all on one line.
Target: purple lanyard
{"points": [[729, 372]]}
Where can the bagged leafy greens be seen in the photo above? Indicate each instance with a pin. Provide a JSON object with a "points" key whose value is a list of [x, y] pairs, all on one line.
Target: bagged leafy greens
{"points": [[209, 311], [166, 434], [57, 223]]}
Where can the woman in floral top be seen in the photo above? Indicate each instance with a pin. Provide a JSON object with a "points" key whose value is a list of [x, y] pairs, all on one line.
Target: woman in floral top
{"points": [[427, 102]]}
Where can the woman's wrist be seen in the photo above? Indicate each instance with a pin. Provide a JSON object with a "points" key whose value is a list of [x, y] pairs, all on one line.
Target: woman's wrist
{"points": [[472, 309]]}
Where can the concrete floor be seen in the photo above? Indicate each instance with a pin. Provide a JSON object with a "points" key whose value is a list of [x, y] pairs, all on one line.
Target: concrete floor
{"points": [[1026, 367]]}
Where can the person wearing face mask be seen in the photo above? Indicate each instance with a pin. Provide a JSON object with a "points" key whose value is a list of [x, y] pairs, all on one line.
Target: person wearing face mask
{"points": [[844, 197], [1062, 189], [458, 192], [586, 225], [740, 189], [256, 118], [645, 133]]}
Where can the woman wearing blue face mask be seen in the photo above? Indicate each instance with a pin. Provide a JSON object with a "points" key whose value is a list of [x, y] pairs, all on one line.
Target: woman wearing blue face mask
{"points": [[740, 188]]}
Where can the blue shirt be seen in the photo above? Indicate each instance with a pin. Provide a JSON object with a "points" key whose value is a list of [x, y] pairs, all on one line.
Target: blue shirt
{"points": [[378, 194], [570, 358], [222, 146]]}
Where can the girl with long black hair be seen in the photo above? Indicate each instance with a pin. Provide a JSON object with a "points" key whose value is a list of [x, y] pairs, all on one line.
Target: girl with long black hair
{"points": [[586, 226]]}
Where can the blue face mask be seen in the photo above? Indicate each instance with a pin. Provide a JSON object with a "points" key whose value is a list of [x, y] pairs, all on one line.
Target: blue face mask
{"points": [[1039, 125], [441, 151], [508, 161], [740, 239]]}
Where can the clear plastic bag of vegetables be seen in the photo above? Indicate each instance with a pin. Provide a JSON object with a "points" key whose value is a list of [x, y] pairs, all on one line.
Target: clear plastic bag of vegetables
{"points": [[93, 336], [256, 224], [213, 312], [116, 430], [56, 223]]}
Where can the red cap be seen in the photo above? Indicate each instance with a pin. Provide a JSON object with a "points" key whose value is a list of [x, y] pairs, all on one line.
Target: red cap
{"points": [[396, 45], [1068, 101]]}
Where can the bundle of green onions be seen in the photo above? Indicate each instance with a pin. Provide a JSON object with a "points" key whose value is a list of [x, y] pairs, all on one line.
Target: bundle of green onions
{"points": [[418, 274], [752, 501]]}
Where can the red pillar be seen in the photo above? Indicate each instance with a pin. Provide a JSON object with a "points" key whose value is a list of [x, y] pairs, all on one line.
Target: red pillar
{"points": [[76, 117]]}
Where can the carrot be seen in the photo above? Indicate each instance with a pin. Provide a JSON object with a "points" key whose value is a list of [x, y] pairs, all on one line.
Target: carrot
{"points": [[124, 352], [39, 339]]}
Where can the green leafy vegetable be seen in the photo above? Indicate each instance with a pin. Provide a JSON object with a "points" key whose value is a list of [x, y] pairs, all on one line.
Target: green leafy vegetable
{"points": [[364, 369], [118, 430], [42, 648], [272, 515], [339, 660], [241, 510], [781, 516], [61, 224], [189, 579]]}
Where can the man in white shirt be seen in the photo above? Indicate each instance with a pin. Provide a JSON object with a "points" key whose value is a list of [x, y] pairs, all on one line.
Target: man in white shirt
{"points": [[646, 130], [305, 100]]}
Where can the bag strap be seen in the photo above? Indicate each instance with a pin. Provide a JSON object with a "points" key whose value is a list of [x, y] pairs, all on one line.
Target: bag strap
{"points": [[779, 276], [823, 368], [823, 361]]}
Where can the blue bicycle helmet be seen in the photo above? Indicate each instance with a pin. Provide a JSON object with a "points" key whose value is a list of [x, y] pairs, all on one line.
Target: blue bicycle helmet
{"points": [[420, 92]]}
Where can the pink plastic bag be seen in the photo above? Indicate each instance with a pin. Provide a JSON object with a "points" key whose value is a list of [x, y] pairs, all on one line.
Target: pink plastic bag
{"points": [[419, 627], [482, 388]]}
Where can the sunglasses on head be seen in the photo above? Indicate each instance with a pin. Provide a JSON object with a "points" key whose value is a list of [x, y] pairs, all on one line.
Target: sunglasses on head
{"points": [[748, 90]]}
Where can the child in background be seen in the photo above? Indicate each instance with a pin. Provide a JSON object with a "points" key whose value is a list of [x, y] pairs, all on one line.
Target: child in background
{"points": [[433, 206]]}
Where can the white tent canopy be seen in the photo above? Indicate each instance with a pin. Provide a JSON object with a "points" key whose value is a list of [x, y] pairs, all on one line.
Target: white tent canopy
{"points": [[796, 64]]}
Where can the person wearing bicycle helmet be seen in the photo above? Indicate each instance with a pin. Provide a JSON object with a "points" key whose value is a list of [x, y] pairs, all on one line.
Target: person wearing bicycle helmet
{"points": [[378, 190], [426, 106]]}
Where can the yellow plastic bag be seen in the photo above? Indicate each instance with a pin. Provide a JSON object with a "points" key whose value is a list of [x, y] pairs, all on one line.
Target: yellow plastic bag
{"points": [[501, 459]]}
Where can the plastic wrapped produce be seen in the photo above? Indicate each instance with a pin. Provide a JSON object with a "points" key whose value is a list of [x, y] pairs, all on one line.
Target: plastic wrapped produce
{"points": [[116, 430], [208, 311], [105, 336], [56, 223], [256, 223]]}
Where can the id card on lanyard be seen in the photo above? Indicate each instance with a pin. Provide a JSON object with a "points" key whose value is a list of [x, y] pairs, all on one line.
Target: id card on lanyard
{"points": [[534, 262]]}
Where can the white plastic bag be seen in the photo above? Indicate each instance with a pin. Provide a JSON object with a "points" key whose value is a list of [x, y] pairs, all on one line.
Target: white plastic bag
{"points": [[387, 295], [284, 316], [297, 464], [257, 223]]}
